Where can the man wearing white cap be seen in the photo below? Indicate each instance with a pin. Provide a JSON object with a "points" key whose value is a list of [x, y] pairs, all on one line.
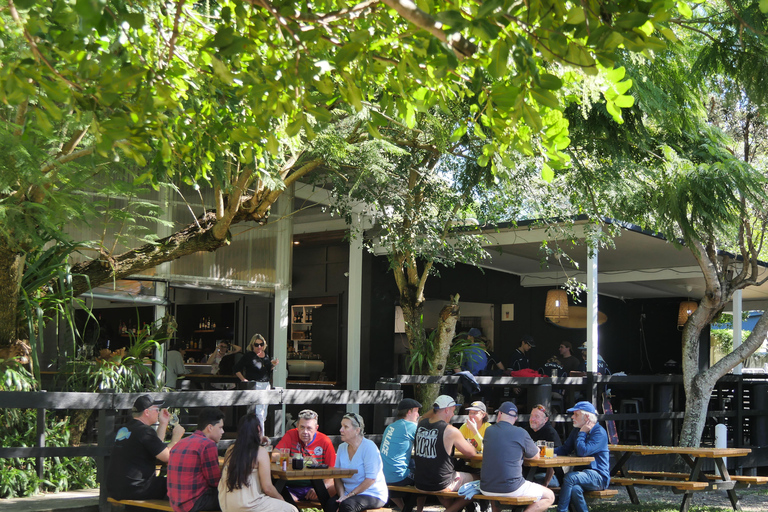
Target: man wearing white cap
{"points": [[502, 474], [435, 440], [587, 439]]}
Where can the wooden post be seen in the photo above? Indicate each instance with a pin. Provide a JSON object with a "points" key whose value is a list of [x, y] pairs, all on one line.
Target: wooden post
{"points": [[104, 440]]}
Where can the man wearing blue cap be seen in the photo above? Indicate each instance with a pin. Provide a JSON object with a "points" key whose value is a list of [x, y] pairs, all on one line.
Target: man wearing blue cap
{"points": [[502, 474], [587, 439]]}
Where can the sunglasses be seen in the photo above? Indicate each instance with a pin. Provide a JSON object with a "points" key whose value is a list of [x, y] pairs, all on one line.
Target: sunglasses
{"points": [[258, 344], [308, 414], [542, 409]]}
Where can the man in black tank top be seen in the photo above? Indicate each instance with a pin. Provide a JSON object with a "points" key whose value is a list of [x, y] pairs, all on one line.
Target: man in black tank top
{"points": [[433, 447]]}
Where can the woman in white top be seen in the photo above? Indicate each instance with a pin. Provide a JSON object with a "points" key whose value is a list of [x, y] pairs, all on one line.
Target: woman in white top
{"points": [[367, 489], [246, 482]]}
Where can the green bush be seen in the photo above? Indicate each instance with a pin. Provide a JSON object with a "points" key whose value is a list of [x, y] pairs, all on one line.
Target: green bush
{"points": [[18, 477]]}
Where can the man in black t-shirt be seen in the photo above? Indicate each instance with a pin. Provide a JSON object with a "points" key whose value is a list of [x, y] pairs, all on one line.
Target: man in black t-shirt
{"points": [[138, 448], [541, 429], [520, 357]]}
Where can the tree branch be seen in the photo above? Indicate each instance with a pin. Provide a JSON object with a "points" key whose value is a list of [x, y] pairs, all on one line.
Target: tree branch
{"points": [[421, 19]]}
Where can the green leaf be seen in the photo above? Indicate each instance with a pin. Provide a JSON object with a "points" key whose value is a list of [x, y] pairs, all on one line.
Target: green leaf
{"points": [[294, 128], [347, 53], [685, 10], [221, 71], [576, 15], [764, 6], [272, 145], [624, 101], [532, 117], [545, 98], [453, 19], [478, 131], [550, 82], [547, 174], [459, 133], [499, 59]]}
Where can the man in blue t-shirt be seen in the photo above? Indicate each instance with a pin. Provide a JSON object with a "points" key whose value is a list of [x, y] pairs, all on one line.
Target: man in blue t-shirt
{"points": [[587, 439], [397, 445]]}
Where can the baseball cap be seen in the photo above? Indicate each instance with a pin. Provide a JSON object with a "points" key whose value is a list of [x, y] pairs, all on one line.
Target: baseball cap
{"points": [[408, 403], [477, 406], [583, 406], [475, 332], [529, 340], [144, 402], [443, 401], [583, 346], [508, 408]]}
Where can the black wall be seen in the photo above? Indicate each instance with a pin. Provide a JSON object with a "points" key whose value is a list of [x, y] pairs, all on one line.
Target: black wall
{"points": [[638, 337]]}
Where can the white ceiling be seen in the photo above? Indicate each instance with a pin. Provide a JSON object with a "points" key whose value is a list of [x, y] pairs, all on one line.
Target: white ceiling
{"points": [[639, 266]]}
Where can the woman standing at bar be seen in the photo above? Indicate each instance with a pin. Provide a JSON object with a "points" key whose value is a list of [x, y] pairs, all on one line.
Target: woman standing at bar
{"points": [[367, 489], [246, 481], [257, 368]]}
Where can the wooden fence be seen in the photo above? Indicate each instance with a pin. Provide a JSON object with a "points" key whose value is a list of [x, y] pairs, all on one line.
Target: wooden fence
{"points": [[106, 405]]}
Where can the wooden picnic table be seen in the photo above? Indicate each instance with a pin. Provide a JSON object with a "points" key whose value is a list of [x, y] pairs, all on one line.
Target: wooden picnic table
{"points": [[315, 476], [558, 461], [685, 483]]}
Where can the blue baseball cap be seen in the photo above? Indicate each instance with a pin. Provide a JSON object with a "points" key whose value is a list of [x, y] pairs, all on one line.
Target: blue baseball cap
{"points": [[583, 406], [508, 408], [475, 332]]}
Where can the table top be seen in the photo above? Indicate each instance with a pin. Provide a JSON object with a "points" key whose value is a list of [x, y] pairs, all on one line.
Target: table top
{"points": [[542, 462], [706, 452], [310, 474]]}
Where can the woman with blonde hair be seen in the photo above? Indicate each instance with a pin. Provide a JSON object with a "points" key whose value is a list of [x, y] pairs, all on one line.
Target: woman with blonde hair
{"points": [[256, 366], [367, 489], [246, 481]]}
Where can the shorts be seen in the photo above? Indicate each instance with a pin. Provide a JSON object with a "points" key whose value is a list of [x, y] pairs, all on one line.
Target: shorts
{"points": [[527, 489], [299, 492], [460, 478]]}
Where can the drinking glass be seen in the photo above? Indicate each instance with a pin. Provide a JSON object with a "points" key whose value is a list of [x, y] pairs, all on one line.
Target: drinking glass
{"points": [[550, 452], [542, 448], [174, 420]]}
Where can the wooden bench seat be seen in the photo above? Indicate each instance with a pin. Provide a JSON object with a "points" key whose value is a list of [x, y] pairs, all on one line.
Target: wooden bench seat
{"points": [[684, 485], [754, 480], [597, 495], [519, 501], [151, 504]]}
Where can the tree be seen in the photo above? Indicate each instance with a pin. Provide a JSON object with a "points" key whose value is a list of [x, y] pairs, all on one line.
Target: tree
{"points": [[231, 98], [672, 172]]}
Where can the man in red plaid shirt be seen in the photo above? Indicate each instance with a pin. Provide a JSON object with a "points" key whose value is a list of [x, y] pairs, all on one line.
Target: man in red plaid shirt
{"points": [[193, 467]]}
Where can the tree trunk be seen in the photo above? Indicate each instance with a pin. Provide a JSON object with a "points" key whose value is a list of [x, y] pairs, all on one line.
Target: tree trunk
{"points": [[11, 271], [697, 396], [77, 423]]}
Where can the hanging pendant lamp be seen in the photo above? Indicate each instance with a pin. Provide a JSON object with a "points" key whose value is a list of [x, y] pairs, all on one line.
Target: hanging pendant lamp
{"points": [[687, 307], [556, 307]]}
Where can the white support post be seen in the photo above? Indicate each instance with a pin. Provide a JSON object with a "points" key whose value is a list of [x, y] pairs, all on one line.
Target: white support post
{"points": [[354, 307], [160, 350], [737, 311], [284, 246], [592, 341]]}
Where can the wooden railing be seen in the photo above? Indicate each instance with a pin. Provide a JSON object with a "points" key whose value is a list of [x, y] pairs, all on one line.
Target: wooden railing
{"points": [[106, 405]]}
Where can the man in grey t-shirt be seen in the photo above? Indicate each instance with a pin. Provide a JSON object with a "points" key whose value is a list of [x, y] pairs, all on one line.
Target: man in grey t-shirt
{"points": [[504, 447]]}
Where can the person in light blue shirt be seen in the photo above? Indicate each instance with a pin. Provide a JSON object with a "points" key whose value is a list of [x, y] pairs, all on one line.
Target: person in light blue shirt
{"points": [[587, 439], [397, 443], [397, 446], [367, 489]]}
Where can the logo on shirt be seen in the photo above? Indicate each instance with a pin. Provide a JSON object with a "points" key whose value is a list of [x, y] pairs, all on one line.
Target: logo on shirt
{"points": [[318, 452], [426, 443], [123, 434]]}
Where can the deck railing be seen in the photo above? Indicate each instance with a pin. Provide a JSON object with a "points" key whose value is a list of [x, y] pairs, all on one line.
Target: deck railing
{"points": [[107, 405]]}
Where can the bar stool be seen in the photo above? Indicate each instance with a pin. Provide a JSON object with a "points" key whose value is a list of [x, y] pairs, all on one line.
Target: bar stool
{"points": [[633, 406]]}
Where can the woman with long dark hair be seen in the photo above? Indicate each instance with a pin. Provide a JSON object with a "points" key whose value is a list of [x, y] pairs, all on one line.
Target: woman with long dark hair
{"points": [[246, 484]]}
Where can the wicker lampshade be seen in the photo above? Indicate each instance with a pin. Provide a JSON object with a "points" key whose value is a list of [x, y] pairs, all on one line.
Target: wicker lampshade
{"points": [[687, 307], [556, 307]]}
